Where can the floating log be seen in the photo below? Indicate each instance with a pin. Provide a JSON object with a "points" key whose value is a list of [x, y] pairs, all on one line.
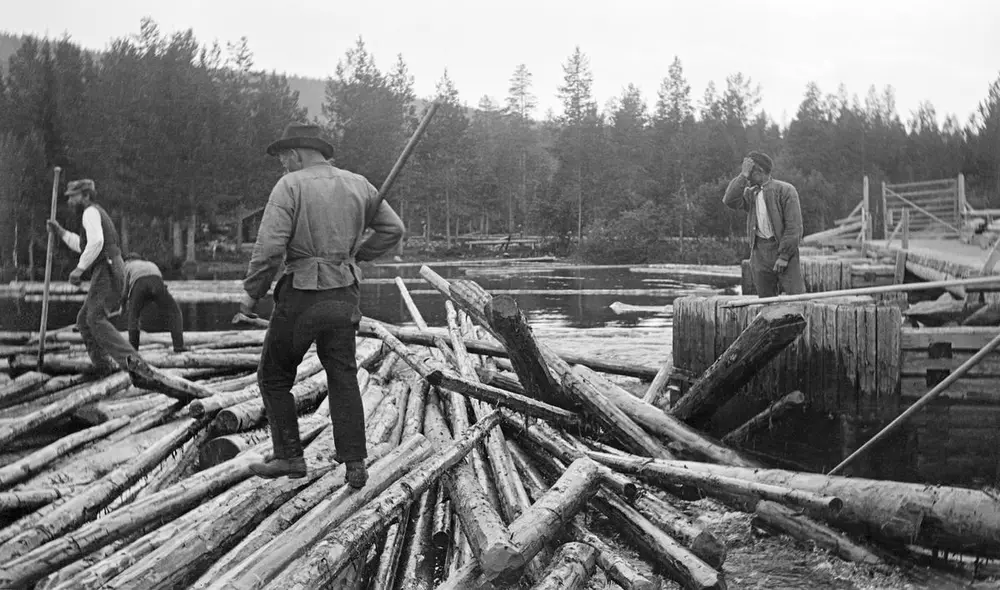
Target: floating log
{"points": [[209, 405], [666, 425], [88, 503], [658, 387], [537, 526], [417, 569], [79, 396], [107, 410], [622, 308], [769, 333], [616, 567], [248, 414], [165, 568], [509, 324], [773, 412], [355, 534], [484, 529], [589, 393], [30, 499], [388, 559], [220, 449], [24, 383], [666, 473], [131, 517], [328, 489], [49, 391], [675, 523], [680, 564], [796, 524], [427, 338], [441, 524], [952, 519], [446, 379], [38, 460], [571, 569]]}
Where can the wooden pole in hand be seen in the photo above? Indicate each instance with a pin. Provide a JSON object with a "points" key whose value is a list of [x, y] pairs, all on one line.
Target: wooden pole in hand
{"points": [[48, 269]]}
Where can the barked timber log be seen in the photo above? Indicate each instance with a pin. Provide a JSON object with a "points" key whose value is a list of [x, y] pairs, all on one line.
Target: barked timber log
{"points": [[492, 454]]}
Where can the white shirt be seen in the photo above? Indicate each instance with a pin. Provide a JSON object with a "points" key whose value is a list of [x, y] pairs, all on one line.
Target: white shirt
{"points": [[95, 238], [764, 228]]}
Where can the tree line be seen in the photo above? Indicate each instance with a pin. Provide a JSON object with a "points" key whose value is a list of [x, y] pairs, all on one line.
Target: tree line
{"points": [[173, 131]]}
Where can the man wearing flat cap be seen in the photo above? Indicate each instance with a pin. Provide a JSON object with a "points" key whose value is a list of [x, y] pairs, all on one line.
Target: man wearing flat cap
{"points": [[101, 254], [774, 225], [314, 221]]}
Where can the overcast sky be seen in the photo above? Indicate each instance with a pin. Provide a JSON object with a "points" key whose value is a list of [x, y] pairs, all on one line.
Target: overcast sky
{"points": [[944, 52]]}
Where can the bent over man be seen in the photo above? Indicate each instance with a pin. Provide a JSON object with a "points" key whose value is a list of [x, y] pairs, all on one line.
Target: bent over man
{"points": [[314, 221], [774, 225], [144, 285]]}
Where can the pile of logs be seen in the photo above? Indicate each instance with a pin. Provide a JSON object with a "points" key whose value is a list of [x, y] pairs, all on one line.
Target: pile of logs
{"points": [[490, 456]]}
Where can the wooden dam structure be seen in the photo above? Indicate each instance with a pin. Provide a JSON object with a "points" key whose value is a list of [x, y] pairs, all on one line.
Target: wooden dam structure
{"points": [[861, 361]]}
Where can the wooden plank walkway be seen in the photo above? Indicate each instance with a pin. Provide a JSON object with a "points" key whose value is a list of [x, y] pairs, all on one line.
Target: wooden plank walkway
{"points": [[949, 256]]}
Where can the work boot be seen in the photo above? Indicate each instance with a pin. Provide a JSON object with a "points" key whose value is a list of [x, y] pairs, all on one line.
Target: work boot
{"points": [[357, 475], [274, 468]]}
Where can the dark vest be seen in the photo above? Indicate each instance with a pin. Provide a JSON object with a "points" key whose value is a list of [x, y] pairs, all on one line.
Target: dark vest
{"points": [[112, 247]]}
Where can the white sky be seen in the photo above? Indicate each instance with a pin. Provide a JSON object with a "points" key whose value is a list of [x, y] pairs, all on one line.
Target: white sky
{"points": [[944, 52]]}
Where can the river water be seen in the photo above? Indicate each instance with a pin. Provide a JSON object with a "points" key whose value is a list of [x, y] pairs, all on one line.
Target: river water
{"points": [[552, 296]]}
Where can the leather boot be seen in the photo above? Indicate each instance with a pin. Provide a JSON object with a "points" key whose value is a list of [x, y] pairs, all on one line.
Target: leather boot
{"points": [[274, 468], [357, 474]]}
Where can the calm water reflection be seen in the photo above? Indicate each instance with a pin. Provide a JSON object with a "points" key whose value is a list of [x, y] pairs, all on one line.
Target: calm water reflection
{"points": [[383, 302]]}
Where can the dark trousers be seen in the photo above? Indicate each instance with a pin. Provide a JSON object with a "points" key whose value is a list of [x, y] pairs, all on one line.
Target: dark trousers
{"points": [[770, 283], [102, 339], [330, 318], [148, 290]]}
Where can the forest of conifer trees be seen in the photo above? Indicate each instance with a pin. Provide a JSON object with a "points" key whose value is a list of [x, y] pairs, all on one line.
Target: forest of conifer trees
{"points": [[170, 128]]}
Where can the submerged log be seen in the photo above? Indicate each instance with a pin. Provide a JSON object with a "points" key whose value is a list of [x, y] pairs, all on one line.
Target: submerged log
{"points": [[358, 532], [571, 569], [799, 526], [38, 460], [951, 519], [79, 396], [774, 411], [767, 335], [680, 564]]}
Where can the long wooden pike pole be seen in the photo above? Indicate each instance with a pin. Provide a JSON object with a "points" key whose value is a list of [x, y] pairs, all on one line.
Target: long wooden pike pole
{"points": [[990, 280], [926, 399], [48, 269]]}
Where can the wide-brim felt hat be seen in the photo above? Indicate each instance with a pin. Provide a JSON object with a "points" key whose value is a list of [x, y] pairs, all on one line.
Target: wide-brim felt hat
{"points": [[302, 135]]}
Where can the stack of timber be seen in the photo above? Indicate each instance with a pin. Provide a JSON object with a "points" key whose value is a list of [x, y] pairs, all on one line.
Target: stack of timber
{"points": [[495, 461]]}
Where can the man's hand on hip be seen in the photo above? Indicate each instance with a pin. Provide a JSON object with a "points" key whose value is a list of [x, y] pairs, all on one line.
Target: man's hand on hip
{"points": [[780, 265]]}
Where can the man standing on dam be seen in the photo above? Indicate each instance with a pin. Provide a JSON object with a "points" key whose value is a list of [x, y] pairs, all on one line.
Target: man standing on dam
{"points": [[315, 221], [774, 226]]}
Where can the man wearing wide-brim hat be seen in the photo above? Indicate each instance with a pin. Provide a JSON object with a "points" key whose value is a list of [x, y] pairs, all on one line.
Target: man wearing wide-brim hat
{"points": [[314, 221], [774, 225]]}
